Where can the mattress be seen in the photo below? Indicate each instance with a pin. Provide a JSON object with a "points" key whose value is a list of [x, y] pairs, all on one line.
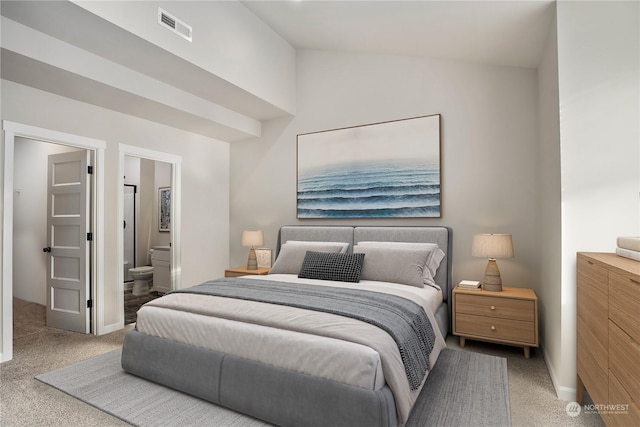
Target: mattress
{"points": [[328, 357]]}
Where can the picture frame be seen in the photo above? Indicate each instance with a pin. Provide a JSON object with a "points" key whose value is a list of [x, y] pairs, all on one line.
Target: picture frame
{"points": [[164, 209], [381, 170], [264, 257]]}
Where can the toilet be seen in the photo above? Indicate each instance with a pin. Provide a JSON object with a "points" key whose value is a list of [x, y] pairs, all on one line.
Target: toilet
{"points": [[141, 277]]}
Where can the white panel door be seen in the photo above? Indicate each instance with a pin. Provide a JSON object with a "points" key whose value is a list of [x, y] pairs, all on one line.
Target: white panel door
{"points": [[68, 249]]}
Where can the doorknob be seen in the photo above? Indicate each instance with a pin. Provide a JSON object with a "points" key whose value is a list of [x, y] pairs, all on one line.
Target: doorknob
{"points": [[47, 249]]}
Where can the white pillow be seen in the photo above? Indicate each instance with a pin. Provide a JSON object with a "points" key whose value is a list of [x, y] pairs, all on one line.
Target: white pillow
{"points": [[436, 255], [345, 245], [291, 255], [395, 265]]}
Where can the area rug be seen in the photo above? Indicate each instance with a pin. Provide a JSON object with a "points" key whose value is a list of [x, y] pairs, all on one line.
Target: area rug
{"points": [[463, 389]]}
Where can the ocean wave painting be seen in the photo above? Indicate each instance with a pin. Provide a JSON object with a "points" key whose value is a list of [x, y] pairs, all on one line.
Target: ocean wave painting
{"points": [[391, 171]]}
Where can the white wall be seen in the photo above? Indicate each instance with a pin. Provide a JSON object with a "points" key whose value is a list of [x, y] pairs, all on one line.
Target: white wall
{"points": [[599, 93], [156, 174], [550, 289], [162, 178], [489, 149], [30, 218], [205, 177], [147, 205], [229, 41], [153, 175]]}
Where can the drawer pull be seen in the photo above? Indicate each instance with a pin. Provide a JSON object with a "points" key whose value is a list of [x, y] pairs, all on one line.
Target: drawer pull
{"points": [[635, 281], [493, 307], [493, 328], [590, 262]]}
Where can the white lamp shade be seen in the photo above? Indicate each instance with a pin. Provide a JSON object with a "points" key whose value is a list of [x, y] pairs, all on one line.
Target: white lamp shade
{"points": [[492, 246], [252, 238]]}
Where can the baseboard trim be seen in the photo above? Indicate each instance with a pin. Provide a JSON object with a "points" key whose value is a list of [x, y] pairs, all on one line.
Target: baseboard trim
{"points": [[566, 394], [107, 329]]}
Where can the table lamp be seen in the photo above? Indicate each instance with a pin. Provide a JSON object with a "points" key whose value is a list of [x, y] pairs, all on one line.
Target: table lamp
{"points": [[252, 238], [492, 246]]}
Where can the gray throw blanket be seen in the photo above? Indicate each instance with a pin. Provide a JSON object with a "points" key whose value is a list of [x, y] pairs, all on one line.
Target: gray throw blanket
{"points": [[404, 320]]}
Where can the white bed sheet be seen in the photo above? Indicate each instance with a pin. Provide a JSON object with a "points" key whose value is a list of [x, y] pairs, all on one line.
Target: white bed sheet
{"points": [[334, 359], [430, 297]]}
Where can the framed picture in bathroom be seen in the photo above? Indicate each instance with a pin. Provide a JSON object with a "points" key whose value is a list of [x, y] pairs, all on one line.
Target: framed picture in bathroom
{"points": [[164, 208]]}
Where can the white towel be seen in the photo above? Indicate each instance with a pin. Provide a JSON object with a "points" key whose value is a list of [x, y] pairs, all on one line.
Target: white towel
{"points": [[628, 253], [631, 243]]}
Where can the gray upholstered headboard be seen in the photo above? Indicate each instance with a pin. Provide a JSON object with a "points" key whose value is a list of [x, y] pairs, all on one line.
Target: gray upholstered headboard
{"points": [[352, 235], [315, 234]]}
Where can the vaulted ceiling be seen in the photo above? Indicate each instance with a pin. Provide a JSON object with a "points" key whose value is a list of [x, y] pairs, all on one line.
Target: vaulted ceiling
{"points": [[77, 54], [509, 33]]}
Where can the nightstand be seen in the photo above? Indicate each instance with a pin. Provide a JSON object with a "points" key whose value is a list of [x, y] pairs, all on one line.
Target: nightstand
{"points": [[242, 271], [507, 317]]}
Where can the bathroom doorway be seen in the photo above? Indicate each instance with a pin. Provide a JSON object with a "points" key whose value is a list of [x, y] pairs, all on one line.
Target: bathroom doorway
{"points": [[150, 229]]}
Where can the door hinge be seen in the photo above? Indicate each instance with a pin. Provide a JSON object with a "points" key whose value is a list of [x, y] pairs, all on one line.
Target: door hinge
{"points": [[90, 170], [89, 236], [89, 303]]}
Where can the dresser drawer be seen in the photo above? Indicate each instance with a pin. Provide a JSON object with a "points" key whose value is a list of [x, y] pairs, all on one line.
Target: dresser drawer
{"points": [[624, 303], [595, 275], [506, 308], [624, 360], [593, 376], [590, 344], [592, 365], [624, 411], [495, 329]]}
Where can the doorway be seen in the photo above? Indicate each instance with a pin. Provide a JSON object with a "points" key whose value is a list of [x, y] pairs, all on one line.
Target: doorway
{"points": [[13, 131], [156, 176], [146, 232], [30, 213]]}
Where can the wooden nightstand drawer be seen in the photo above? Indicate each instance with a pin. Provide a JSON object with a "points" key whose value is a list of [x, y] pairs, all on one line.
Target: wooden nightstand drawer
{"points": [[506, 308], [494, 328]]}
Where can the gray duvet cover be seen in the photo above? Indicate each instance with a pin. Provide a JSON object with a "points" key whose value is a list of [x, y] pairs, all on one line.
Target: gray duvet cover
{"points": [[403, 319]]}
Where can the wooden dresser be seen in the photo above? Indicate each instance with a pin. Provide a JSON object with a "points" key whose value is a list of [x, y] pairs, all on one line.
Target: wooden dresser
{"points": [[608, 336]]}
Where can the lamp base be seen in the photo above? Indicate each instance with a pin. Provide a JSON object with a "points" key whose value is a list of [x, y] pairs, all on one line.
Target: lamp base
{"points": [[492, 281], [252, 262]]}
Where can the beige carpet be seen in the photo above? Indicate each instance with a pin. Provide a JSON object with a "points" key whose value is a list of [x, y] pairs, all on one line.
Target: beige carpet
{"points": [[25, 401]]}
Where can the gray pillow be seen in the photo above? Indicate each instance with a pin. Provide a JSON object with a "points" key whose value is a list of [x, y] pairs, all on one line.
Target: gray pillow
{"points": [[435, 257], [345, 245], [291, 256], [329, 266], [403, 266]]}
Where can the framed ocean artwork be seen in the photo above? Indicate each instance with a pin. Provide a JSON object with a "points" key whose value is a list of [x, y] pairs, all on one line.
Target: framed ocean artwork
{"points": [[381, 170]]}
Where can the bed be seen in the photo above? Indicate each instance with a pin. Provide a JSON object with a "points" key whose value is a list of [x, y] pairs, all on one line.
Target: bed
{"points": [[292, 366]]}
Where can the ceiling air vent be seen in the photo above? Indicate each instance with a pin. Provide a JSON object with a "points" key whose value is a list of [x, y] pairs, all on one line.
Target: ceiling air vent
{"points": [[174, 24]]}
